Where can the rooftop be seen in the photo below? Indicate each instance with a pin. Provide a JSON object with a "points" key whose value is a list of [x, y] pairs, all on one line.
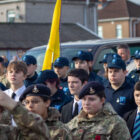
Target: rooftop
{"points": [[29, 35], [119, 9]]}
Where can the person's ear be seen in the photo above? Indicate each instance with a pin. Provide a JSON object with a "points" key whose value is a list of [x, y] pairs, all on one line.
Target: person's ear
{"points": [[103, 100], [25, 76], [125, 72], [85, 82], [48, 102]]}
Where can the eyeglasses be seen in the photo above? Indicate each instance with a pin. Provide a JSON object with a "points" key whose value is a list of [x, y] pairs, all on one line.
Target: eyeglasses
{"points": [[26, 102]]}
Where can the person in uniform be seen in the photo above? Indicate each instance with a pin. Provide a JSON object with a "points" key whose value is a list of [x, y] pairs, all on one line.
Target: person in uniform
{"points": [[135, 74], [132, 117], [81, 61], [119, 89], [97, 120], [31, 69], [61, 68], [50, 79], [37, 99], [30, 126], [106, 58]]}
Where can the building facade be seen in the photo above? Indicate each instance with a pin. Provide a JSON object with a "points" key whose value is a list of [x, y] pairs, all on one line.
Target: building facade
{"points": [[119, 19], [41, 11]]}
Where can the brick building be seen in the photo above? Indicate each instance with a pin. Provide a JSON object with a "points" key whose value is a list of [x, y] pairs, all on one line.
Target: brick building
{"points": [[119, 19]]}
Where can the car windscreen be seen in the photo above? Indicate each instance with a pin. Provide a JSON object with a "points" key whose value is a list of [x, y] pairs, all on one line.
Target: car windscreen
{"points": [[70, 52]]}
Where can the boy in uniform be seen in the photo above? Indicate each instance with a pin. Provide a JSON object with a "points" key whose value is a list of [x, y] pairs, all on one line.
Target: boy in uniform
{"points": [[32, 75]]}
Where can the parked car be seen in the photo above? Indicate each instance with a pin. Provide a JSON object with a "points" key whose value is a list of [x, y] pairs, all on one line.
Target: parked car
{"points": [[97, 47]]}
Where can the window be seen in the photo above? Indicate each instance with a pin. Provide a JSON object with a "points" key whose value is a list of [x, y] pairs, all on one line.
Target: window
{"points": [[11, 16], [100, 31], [119, 31]]}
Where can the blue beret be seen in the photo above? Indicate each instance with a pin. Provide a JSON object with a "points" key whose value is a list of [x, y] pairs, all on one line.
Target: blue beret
{"points": [[109, 56], [136, 55], [36, 90], [82, 55], [29, 59], [46, 75], [91, 88], [61, 62], [117, 63]]}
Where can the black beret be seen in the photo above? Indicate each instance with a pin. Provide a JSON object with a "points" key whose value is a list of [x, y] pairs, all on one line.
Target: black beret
{"points": [[91, 88], [36, 90], [45, 75]]}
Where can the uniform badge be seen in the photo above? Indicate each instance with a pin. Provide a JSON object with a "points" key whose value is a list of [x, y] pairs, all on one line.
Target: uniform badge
{"points": [[122, 100], [132, 76], [35, 90], [91, 90], [117, 100]]}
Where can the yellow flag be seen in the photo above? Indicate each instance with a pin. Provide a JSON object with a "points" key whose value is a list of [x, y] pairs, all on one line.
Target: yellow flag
{"points": [[53, 49]]}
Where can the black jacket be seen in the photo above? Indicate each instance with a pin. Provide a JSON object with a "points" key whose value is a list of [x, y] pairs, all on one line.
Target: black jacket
{"points": [[129, 117], [66, 112]]}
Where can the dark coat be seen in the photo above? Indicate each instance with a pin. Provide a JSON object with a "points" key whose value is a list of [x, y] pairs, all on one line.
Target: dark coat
{"points": [[59, 99], [66, 112], [121, 99], [129, 117], [31, 80]]}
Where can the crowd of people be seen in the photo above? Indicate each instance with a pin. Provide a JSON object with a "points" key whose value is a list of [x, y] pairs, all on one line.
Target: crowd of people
{"points": [[71, 104]]}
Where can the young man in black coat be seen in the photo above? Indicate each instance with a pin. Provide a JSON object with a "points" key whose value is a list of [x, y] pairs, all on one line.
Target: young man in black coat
{"points": [[77, 78]]}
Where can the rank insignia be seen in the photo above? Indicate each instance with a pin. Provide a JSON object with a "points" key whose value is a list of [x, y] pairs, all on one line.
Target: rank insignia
{"points": [[91, 90], [35, 90]]}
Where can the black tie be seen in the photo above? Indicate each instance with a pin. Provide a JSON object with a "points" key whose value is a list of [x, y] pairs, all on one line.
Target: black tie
{"points": [[75, 113], [13, 95]]}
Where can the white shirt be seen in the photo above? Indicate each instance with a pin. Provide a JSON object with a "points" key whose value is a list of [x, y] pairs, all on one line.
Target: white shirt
{"points": [[138, 110], [79, 105], [18, 92]]}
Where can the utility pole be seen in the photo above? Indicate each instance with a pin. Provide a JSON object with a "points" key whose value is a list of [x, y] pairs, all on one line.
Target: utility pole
{"points": [[86, 10]]}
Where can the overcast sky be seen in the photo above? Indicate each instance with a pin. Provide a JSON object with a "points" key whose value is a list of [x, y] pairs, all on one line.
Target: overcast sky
{"points": [[135, 1]]}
